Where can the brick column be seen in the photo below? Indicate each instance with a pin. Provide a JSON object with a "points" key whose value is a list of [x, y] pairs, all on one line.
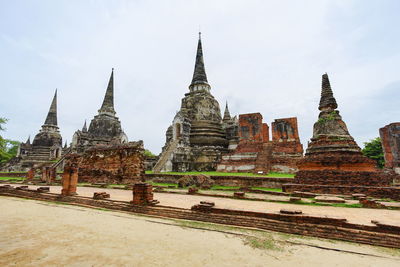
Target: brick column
{"points": [[31, 174], [142, 194], [70, 176]]}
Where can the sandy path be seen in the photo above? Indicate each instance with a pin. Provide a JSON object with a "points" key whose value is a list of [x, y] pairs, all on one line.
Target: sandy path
{"points": [[35, 233], [354, 215]]}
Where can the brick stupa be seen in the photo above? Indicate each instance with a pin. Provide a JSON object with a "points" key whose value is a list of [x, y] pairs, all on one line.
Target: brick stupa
{"points": [[332, 156]]}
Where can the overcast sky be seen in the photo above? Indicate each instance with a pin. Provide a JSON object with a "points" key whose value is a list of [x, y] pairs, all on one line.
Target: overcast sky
{"points": [[260, 56]]}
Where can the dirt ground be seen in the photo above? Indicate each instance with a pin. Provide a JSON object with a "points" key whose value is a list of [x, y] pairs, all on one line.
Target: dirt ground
{"points": [[36, 233], [354, 215]]}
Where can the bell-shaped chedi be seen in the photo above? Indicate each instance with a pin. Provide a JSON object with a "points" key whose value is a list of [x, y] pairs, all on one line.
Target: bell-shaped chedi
{"points": [[332, 156], [197, 136], [104, 129]]}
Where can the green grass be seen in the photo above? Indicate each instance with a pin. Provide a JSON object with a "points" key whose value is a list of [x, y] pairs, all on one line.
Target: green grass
{"points": [[271, 174], [12, 178], [164, 184], [267, 189]]}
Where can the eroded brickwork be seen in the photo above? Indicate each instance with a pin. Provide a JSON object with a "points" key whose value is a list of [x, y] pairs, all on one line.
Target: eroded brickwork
{"points": [[142, 194], [70, 175], [390, 136], [256, 153], [287, 149], [122, 163]]}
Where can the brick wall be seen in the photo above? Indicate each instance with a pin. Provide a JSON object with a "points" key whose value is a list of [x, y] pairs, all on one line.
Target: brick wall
{"points": [[390, 136], [270, 182], [372, 191], [112, 164], [323, 227]]}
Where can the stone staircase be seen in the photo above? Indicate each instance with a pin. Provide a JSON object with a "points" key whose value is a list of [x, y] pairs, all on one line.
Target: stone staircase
{"points": [[165, 155], [61, 160]]}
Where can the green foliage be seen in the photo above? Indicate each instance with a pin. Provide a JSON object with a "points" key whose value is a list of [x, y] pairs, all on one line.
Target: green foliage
{"points": [[373, 150], [330, 117], [149, 154], [8, 148], [2, 121]]}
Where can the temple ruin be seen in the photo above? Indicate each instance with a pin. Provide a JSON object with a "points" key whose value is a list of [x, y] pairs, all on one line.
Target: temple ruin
{"points": [[197, 138], [390, 136], [333, 162], [105, 128], [255, 151], [45, 148]]}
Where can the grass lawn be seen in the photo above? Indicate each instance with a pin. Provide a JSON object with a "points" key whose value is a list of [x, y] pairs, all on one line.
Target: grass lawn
{"points": [[164, 184], [271, 174], [268, 189], [12, 178]]}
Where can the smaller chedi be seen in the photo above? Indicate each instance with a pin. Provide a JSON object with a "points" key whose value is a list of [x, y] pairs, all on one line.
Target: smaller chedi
{"points": [[333, 162], [104, 129], [45, 148]]}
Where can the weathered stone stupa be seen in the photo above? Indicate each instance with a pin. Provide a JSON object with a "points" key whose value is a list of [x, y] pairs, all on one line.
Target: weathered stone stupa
{"points": [[333, 158], [196, 139], [105, 128], [46, 146]]}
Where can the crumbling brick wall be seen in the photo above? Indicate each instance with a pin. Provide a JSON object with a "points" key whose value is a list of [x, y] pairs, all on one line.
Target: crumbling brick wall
{"points": [[390, 136], [287, 149], [256, 153], [123, 163], [252, 128]]}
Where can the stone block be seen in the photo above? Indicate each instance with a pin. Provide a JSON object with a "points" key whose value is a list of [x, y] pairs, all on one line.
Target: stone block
{"points": [[239, 194], [100, 195], [193, 190], [207, 203], [294, 199], [43, 189], [22, 187], [329, 199], [289, 211]]}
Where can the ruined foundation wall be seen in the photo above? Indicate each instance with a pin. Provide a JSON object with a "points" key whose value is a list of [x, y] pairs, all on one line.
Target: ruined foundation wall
{"points": [[371, 191], [112, 164], [317, 226]]}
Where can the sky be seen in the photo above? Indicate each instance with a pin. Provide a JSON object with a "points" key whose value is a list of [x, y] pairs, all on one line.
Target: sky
{"points": [[260, 56]]}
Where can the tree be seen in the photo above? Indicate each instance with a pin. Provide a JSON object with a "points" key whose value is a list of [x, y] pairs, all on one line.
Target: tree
{"points": [[2, 121], [149, 154], [373, 150], [8, 148]]}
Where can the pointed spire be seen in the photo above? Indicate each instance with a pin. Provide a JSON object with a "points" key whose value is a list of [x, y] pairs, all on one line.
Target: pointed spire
{"points": [[28, 142], [327, 98], [51, 118], [227, 115], [108, 102], [199, 75], [84, 128], [65, 146]]}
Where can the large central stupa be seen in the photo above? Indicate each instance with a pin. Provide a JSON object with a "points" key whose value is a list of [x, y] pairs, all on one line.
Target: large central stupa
{"points": [[196, 139]]}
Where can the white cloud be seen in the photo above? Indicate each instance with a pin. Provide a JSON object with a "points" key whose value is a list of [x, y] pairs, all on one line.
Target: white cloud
{"points": [[261, 56]]}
